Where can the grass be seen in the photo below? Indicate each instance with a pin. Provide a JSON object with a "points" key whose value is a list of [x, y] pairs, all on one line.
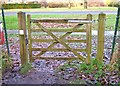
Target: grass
{"points": [[63, 9], [26, 68], [12, 21], [96, 68]]}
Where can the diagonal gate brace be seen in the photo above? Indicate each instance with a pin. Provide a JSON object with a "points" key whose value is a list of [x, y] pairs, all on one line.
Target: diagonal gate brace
{"points": [[59, 40]]}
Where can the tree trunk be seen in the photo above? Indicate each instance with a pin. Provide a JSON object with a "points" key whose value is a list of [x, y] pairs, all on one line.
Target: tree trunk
{"points": [[69, 4], [85, 4]]}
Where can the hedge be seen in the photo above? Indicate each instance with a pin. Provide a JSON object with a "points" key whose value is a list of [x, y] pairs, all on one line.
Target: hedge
{"points": [[116, 4], [21, 6]]}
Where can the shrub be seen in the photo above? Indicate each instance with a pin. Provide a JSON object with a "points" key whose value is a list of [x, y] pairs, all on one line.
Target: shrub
{"points": [[33, 2], [44, 4], [114, 4], [21, 6], [5, 62], [94, 67], [118, 64], [96, 4]]}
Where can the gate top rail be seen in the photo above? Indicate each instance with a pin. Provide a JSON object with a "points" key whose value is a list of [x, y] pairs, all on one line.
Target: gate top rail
{"points": [[61, 20]]}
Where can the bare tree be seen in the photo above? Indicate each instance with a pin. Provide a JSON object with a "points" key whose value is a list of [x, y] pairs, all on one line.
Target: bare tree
{"points": [[69, 4], [22, 1], [44, 3], [1, 2]]}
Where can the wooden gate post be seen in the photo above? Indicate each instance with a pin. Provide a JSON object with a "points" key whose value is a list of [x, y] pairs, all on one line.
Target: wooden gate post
{"points": [[88, 38], [100, 44], [29, 37], [22, 37]]}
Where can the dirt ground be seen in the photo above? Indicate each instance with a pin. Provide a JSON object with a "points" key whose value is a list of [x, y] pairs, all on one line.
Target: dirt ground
{"points": [[43, 71]]}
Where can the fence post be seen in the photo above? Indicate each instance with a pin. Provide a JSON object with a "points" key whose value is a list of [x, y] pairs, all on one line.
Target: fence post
{"points": [[6, 36], [118, 54], [88, 38], [100, 44], [117, 26], [22, 37]]}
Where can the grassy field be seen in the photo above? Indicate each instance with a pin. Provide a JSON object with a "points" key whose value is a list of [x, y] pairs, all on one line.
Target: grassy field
{"points": [[64, 9], [12, 21]]}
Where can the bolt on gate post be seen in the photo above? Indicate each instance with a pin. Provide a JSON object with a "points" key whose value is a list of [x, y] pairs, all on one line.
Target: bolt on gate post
{"points": [[100, 44], [22, 37]]}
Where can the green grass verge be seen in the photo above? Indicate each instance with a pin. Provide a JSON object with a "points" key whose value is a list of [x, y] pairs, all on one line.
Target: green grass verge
{"points": [[12, 21], [63, 9]]}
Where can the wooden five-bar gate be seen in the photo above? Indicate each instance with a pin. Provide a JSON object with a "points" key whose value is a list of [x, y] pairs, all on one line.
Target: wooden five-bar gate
{"points": [[55, 40]]}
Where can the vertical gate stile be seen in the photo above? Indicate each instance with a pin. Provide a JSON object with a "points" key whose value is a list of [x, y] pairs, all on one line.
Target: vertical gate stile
{"points": [[88, 38], [22, 37], [100, 44], [29, 37]]}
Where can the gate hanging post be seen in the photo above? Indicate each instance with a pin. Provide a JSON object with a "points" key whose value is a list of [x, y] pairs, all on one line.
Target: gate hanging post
{"points": [[100, 44], [89, 37], [22, 37]]}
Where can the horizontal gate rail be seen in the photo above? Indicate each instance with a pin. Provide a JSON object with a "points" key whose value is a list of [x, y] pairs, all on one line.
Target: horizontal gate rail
{"points": [[55, 49], [61, 20], [53, 58], [52, 40], [60, 30]]}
